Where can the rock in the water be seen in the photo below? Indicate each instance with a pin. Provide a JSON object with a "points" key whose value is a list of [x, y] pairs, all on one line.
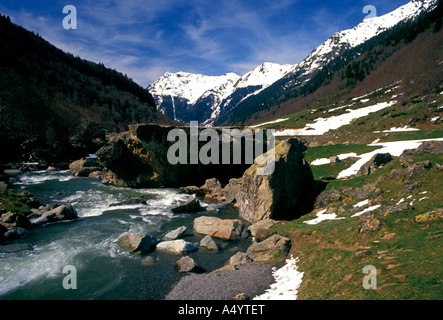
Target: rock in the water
{"points": [[177, 246], [15, 233], [61, 213], [148, 261], [208, 243], [136, 243], [84, 167], [273, 247], [175, 234], [134, 200], [187, 264], [284, 193], [213, 187], [190, 206], [14, 219], [15, 247], [238, 258], [228, 229]]}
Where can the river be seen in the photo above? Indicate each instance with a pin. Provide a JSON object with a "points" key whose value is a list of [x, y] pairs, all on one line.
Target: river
{"points": [[88, 243]]}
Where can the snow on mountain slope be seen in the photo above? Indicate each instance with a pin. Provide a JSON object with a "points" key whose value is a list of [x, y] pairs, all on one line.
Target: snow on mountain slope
{"points": [[264, 75], [188, 85], [205, 98], [195, 88], [364, 31]]}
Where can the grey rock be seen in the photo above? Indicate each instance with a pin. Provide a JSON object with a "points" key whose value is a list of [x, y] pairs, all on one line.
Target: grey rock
{"points": [[267, 249], [136, 243], [239, 258], [208, 243], [187, 264], [61, 213], [190, 206], [177, 246], [175, 234]]}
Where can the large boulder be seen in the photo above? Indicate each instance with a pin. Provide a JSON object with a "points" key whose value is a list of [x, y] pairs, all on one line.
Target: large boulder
{"points": [[139, 158], [228, 229], [285, 193], [136, 243], [274, 247], [60, 213]]}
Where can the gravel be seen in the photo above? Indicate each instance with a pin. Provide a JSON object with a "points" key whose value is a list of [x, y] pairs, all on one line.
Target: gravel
{"points": [[251, 279]]}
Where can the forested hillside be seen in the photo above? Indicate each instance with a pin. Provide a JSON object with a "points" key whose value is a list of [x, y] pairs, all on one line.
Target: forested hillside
{"points": [[54, 106]]}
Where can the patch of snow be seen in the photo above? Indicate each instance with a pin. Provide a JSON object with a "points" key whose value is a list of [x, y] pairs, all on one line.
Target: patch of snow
{"points": [[270, 122], [322, 161], [323, 125], [366, 210], [423, 199], [361, 203], [435, 118], [364, 100], [399, 129], [288, 280], [338, 108], [424, 192], [395, 148], [319, 162], [321, 216], [400, 201]]}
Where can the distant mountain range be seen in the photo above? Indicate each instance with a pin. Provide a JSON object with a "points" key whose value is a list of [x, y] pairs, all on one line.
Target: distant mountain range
{"points": [[211, 99]]}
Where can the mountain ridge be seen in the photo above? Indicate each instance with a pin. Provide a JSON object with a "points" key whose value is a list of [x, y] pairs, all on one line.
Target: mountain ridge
{"points": [[220, 105]]}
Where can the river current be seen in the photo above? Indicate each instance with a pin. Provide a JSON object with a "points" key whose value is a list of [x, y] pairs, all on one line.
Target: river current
{"points": [[103, 270]]}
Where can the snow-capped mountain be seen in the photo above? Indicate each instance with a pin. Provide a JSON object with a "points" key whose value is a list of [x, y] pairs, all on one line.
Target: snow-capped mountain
{"points": [[350, 38], [185, 96]]}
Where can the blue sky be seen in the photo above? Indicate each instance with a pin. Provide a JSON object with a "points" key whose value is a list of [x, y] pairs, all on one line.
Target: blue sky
{"points": [[146, 38]]}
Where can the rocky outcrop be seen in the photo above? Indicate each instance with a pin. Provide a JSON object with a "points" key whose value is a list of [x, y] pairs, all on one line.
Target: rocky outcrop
{"points": [[139, 158], [285, 193], [274, 247], [364, 192], [429, 216], [136, 243], [228, 229], [378, 160], [434, 147]]}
